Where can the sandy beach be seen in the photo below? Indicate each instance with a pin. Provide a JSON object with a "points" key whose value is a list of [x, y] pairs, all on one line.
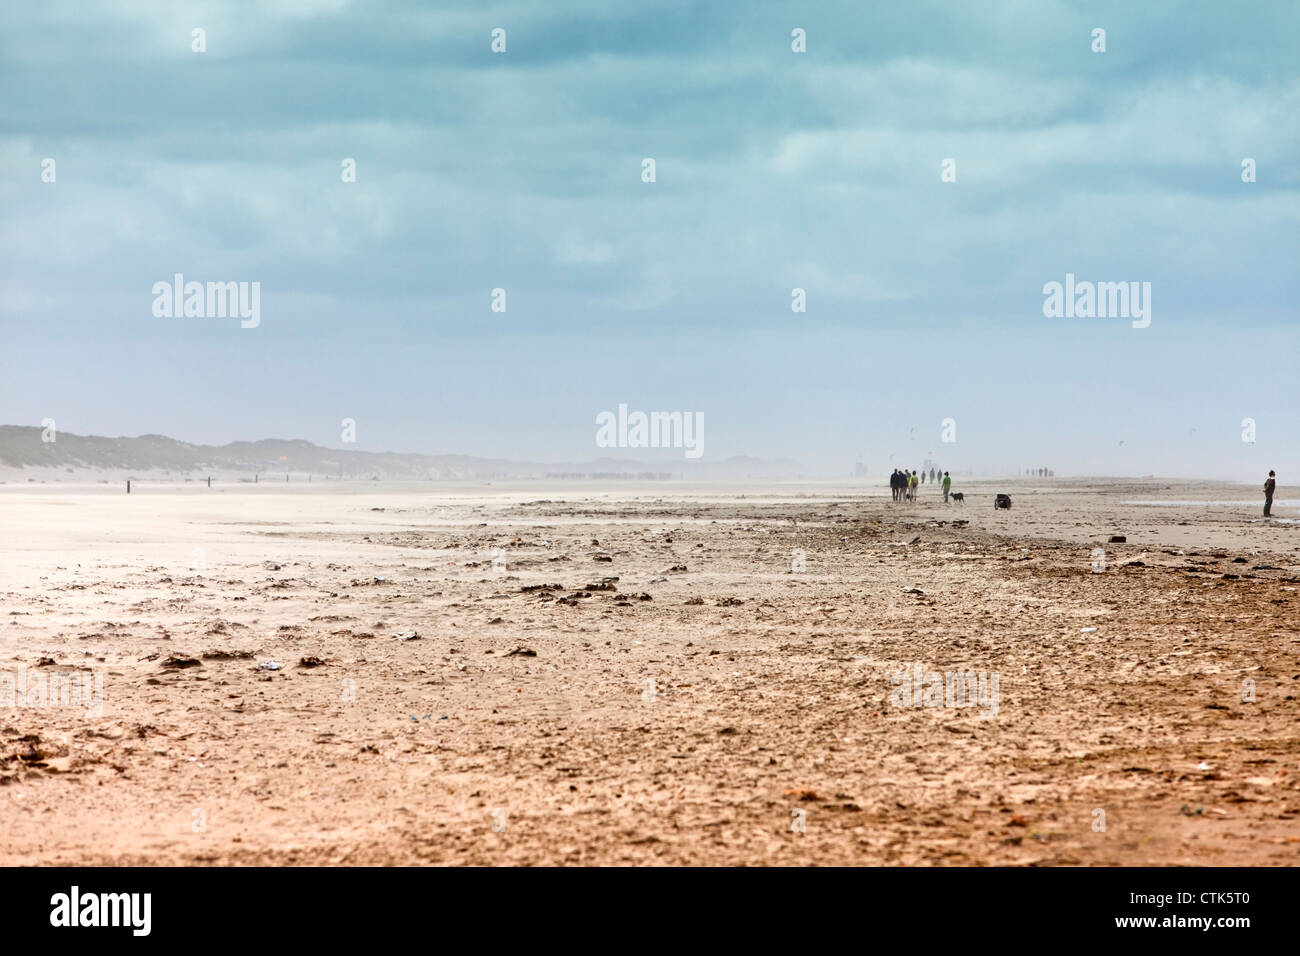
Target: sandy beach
{"points": [[656, 673]]}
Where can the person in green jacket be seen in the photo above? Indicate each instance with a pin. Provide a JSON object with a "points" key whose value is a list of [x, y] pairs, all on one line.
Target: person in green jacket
{"points": [[947, 486]]}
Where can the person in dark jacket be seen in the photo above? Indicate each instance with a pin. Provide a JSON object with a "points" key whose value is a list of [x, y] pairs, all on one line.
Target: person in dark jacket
{"points": [[1270, 486]]}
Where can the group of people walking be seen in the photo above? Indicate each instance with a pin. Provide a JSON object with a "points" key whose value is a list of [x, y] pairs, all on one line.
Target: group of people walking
{"points": [[903, 484]]}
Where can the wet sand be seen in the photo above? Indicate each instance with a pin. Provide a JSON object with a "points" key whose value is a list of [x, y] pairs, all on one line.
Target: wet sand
{"points": [[646, 673]]}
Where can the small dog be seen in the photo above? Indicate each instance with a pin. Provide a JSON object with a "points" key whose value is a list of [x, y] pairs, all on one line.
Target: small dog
{"points": [[1002, 501], [958, 496]]}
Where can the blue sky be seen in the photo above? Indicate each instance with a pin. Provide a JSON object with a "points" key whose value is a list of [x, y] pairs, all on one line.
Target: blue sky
{"points": [[775, 170]]}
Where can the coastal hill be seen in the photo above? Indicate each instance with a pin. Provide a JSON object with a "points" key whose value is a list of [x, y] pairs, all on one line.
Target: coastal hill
{"points": [[23, 454]]}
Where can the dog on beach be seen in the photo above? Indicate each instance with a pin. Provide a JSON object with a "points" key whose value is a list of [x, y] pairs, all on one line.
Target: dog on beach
{"points": [[1002, 501], [959, 496]]}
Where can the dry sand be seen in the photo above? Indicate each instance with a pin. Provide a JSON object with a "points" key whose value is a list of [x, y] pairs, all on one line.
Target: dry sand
{"points": [[682, 714]]}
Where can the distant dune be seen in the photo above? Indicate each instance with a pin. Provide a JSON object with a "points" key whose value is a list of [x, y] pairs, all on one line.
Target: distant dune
{"points": [[23, 454]]}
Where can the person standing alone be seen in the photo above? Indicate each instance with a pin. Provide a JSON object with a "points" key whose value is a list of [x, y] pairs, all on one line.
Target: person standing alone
{"points": [[1270, 486], [947, 486]]}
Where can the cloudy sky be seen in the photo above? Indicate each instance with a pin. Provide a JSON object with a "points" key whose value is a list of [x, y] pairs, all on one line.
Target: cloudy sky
{"points": [[775, 170]]}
